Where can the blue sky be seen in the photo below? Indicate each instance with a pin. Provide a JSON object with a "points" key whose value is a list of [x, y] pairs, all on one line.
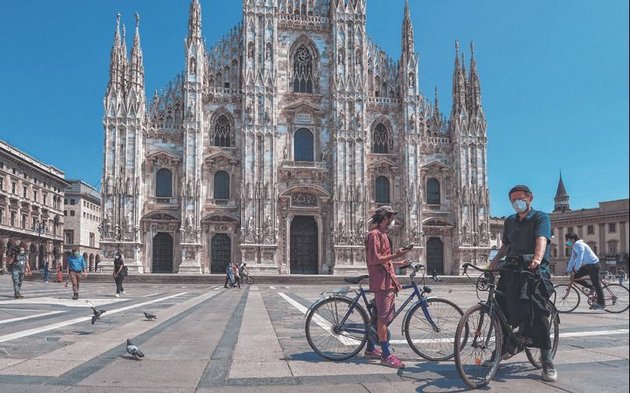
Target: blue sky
{"points": [[554, 80]]}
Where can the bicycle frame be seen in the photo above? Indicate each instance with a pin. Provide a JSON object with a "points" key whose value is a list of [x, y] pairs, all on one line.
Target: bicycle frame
{"points": [[361, 294], [583, 290], [492, 308]]}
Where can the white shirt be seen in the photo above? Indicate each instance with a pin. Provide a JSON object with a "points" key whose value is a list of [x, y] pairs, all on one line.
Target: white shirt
{"points": [[581, 254]]}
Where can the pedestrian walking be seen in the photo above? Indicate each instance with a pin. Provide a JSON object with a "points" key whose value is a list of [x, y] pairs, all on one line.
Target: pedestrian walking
{"points": [[229, 276], [383, 282], [46, 272], [59, 272], [120, 272], [76, 268], [19, 267], [237, 276]]}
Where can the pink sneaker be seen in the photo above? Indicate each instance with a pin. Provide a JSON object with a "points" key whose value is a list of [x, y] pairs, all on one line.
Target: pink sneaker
{"points": [[392, 361], [375, 354]]}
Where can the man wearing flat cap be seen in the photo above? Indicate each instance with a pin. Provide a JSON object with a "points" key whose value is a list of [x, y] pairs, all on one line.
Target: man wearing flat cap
{"points": [[383, 281], [526, 238]]}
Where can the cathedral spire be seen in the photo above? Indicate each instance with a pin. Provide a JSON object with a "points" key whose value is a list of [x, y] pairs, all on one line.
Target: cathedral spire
{"points": [[124, 64], [561, 200], [473, 83], [194, 22], [137, 66], [114, 64], [436, 104], [407, 32], [459, 83]]}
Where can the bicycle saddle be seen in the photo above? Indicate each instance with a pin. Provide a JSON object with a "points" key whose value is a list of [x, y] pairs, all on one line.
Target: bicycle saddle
{"points": [[355, 280]]}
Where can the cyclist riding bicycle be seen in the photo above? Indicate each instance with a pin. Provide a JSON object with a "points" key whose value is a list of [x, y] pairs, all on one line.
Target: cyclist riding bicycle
{"points": [[584, 262], [525, 243]]}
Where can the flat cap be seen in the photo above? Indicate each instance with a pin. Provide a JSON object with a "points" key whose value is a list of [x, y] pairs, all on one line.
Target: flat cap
{"points": [[520, 187]]}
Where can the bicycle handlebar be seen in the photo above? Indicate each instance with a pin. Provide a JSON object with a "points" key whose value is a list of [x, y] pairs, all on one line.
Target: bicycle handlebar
{"points": [[498, 269]]}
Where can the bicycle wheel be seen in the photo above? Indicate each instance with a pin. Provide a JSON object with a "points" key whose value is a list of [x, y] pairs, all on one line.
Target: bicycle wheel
{"points": [[249, 280], [331, 339], [423, 339], [617, 298], [533, 354], [567, 298], [478, 343]]}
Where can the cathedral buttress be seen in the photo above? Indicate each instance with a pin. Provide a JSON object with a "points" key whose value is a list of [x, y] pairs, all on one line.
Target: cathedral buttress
{"points": [[411, 127], [468, 129], [349, 135], [260, 157], [124, 121], [193, 117]]}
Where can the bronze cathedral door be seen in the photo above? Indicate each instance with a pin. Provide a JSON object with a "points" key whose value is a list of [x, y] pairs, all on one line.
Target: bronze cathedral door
{"points": [[221, 253], [304, 245], [162, 253]]}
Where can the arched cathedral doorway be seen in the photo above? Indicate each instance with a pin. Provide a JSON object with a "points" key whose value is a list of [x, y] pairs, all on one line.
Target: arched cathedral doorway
{"points": [[435, 256], [162, 253], [304, 258], [220, 254]]}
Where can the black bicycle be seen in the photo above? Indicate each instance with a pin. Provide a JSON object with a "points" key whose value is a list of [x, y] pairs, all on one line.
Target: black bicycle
{"points": [[479, 335], [338, 327]]}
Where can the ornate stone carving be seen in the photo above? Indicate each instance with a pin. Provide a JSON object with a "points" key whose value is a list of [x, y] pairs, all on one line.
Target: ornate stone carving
{"points": [[303, 199]]}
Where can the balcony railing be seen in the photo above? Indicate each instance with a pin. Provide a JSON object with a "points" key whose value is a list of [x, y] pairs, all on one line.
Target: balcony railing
{"points": [[304, 164], [164, 200]]}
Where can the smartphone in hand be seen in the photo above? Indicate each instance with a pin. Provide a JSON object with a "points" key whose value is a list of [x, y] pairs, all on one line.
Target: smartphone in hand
{"points": [[408, 247]]}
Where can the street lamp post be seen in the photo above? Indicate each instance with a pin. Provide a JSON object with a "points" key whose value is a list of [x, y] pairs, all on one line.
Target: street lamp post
{"points": [[39, 227]]}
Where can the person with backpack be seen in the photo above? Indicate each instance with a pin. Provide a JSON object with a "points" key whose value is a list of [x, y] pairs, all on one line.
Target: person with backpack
{"points": [[120, 272]]}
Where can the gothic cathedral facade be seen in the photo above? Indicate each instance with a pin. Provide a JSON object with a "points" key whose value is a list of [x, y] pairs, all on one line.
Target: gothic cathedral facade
{"points": [[275, 146]]}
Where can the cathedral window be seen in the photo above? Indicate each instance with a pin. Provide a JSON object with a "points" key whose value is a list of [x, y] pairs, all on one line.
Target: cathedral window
{"points": [[303, 145], [381, 140], [164, 183], [433, 192], [221, 185], [303, 73], [382, 190], [222, 132]]}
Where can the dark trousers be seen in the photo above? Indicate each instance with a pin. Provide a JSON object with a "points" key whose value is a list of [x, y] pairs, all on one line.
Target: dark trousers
{"points": [[592, 271], [119, 281], [519, 310]]}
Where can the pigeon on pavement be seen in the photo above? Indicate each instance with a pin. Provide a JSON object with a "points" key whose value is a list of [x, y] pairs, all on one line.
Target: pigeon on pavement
{"points": [[149, 317], [97, 313], [133, 350]]}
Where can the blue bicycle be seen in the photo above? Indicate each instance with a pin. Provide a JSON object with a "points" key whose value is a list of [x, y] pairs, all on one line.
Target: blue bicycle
{"points": [[338, 327]]}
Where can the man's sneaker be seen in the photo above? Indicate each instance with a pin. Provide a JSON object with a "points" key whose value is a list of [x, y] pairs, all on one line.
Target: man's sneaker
{"points": [[549, 373], [75, 297], [117, 295], [392, 361], [374, 354], [597, 307]]}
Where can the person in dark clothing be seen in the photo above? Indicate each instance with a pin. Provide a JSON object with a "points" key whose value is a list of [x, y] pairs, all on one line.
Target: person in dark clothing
{"points": [[46, 272], [526, 237], [119, 274]]}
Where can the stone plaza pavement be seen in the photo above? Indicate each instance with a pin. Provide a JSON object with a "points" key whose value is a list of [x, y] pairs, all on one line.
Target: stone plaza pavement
{"points": [[210, 339]]}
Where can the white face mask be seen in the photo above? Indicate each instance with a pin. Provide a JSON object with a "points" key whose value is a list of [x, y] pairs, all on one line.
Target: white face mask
{"points": [[391, 224], [520, 206]]}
